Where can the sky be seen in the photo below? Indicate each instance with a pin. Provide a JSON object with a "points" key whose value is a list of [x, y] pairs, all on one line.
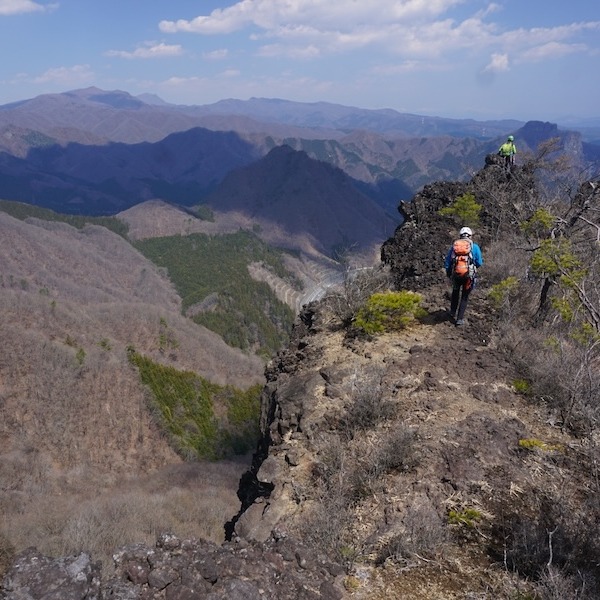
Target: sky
{"points": [[480, 59]]}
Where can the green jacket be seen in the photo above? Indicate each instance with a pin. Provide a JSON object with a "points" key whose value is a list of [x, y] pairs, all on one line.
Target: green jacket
{"points": [[507, 149]]}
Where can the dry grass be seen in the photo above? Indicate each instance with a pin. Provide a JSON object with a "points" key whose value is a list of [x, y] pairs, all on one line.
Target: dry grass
{"points": [[189, 500]]}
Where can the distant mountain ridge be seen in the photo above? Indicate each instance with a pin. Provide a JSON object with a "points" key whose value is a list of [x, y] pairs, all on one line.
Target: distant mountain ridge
{"points": [[108, 178], [330, 116], [92, 151]]}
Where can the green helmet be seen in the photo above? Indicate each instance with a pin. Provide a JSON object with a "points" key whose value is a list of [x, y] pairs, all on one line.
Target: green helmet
{"points": [[511, 138]]}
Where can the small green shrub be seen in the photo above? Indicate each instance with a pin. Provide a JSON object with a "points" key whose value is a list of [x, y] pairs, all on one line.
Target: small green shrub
{"points": [[351, 583], [80, 356], [465, 209], [389, 311], [555, 258], [522, 386], [585, 335], [539, 224], [104, 343], [502, 293], [467, 517], [535, 444]]}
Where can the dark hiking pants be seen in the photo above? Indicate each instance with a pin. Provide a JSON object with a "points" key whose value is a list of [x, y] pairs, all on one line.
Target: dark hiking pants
{"points": [[461, 288]]}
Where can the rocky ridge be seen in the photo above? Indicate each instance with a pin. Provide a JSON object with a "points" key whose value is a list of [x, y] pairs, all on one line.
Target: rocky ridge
{"points": [[478, 483], [178, 569]]}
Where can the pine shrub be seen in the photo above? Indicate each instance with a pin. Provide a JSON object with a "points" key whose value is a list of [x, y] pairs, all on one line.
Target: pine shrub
{"points": [[389, 311]]}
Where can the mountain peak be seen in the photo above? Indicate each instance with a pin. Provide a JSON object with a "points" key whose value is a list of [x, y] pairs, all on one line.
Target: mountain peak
{"points": [[116, 99], [302, 203]]}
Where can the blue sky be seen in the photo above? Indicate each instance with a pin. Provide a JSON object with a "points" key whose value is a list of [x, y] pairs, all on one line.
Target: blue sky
{"points": [[522, 59]]}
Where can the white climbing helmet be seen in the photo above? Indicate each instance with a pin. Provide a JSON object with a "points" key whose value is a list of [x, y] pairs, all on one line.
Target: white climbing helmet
{"points": [[465, 231]]}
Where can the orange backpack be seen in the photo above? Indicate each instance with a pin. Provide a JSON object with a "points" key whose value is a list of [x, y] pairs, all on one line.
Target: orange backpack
{"points": [[462, 263]]}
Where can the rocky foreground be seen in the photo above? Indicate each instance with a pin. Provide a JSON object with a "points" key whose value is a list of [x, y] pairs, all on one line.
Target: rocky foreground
{"points": [[180, 570]]}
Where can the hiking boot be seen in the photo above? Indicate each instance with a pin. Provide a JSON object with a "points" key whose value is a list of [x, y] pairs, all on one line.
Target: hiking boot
{"points": [[460, 322], [450, 315]]}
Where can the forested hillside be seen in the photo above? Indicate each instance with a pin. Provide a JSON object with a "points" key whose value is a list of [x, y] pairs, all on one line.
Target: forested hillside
{"points": [[211, 276]]}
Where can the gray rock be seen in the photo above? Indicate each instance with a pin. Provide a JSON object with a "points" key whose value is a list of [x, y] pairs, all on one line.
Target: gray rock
{"points": [[34, 576]]}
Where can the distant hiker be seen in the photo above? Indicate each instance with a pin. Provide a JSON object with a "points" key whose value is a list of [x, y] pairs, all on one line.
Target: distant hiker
{"points": [[508, 151], [462, 261]]}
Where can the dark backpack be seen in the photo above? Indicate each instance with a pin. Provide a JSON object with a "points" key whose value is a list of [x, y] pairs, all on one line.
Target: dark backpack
{"points": [[462, 259]]}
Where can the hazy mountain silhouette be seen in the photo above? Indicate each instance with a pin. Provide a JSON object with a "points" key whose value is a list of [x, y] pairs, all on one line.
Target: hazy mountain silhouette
{"points": [[330, 116], [107, 179]]}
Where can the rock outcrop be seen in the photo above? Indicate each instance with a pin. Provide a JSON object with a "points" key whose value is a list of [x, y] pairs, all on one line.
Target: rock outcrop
{"points": [[178, 569], [416, 446]]}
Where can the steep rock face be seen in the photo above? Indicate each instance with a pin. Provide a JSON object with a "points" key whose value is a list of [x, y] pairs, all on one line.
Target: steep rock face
{"points": [[414, 252]]}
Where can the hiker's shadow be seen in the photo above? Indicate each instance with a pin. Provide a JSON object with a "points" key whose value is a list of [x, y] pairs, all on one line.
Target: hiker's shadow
{"points": [[436, 317]]}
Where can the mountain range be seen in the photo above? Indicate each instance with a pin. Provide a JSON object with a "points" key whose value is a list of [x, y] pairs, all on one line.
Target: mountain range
{"points": [[98, 152]]}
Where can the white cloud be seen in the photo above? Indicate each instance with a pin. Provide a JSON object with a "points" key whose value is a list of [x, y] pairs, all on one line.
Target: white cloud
{"points": [[149, 50], [322, 14], [412, 31], [540, 35], [313, 28], [216, 54], [228, 73], [15, 7], [408, 66], [280, 50], [550, 50], [67, 76], [498, 63]]}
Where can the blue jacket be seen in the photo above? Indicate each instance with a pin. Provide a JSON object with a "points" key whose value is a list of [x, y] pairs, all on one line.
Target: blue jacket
{"points": [[475, 251]]}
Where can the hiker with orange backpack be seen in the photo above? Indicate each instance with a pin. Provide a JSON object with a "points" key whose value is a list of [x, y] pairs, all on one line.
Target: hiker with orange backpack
{"points": [[462, 261]]}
